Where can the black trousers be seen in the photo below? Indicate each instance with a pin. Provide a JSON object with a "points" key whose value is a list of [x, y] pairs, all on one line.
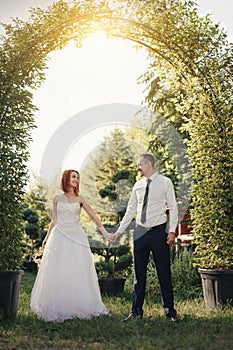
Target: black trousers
{"points": [[153, 241]]}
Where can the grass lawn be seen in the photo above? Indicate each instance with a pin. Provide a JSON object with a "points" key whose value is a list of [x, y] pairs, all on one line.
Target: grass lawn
{"points": [[198, 328]]}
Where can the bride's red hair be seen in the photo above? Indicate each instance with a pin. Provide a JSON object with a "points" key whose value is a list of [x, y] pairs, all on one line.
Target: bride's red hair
{"points": [[65, 181]]}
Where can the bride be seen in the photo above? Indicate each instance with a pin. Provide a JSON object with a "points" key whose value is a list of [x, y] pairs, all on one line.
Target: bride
{"points": [[66, 285]]}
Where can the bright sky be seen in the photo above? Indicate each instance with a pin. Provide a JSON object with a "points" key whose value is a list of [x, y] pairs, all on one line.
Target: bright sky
{"points": [[102, 73]]}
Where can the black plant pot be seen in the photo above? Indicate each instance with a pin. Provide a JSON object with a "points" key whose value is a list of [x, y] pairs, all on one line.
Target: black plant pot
{"points": [[217, 287], [9, 293], [112, 286]]}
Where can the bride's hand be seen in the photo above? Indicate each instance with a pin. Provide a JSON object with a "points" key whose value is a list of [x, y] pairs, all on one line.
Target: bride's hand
{"points": [[109, 237]]}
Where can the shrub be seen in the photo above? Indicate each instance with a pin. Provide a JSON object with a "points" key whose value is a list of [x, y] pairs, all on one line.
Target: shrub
{"points": [[185, 277]]}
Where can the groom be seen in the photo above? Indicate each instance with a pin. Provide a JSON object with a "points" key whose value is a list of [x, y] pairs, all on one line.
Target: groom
{"points": [[149, 201]]}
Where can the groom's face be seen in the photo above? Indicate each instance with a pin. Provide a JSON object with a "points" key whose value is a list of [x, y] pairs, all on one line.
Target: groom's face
{"points": [[142, 167]]}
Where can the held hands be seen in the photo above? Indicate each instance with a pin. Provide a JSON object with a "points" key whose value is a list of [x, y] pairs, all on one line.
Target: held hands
{"points": [[112, 238], [115, 237], [108, 236]]}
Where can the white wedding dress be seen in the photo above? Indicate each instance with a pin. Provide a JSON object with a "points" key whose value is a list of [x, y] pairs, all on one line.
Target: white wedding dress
{"points": [[66, 285]]}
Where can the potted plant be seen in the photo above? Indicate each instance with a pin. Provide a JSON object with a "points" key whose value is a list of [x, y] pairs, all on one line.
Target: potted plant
{"points": [[211, 149], [10, 265], [113, 266], [11, 233], [10, 276], [214, 255], [115, 262], [16, 112]]}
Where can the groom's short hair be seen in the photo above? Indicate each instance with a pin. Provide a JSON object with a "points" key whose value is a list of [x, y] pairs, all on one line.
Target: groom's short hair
{"points": [[148, 157]]}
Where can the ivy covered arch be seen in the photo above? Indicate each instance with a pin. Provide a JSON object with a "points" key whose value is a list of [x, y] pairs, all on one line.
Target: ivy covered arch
{"points": [[189, 53]]}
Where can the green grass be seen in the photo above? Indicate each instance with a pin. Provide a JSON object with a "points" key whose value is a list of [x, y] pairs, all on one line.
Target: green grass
{"points": [[198, 328]]}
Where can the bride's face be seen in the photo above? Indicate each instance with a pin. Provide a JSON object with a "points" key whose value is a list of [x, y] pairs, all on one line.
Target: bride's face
{"points": [[74, 179]]}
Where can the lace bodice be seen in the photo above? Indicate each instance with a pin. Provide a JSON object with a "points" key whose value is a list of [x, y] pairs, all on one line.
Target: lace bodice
{"points": [[68, 223], [67, 213]]}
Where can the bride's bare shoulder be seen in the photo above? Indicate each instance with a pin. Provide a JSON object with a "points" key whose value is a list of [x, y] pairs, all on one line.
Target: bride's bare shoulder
{"points": [[57, 198]]}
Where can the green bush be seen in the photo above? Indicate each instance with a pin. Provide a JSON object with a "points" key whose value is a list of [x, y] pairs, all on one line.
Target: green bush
{"points": [[185, 277]]}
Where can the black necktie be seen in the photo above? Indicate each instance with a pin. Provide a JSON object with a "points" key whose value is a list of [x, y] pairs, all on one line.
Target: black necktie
{"points": [[144, 206]]}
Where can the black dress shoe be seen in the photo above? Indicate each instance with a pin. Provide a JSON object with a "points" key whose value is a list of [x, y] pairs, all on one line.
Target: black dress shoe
{"points": [[132, 316]]}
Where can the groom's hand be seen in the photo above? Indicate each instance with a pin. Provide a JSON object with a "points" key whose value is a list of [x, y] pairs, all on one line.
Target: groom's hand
{"points": [[171, 237], [115, 236], [110, 238]]}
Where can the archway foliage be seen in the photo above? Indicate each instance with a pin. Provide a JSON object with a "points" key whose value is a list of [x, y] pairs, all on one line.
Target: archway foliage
{"points": [[191, 57]]}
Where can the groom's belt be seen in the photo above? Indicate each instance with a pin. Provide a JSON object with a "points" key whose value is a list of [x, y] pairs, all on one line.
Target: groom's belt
{"points": [[140, 231], [157, 226]]}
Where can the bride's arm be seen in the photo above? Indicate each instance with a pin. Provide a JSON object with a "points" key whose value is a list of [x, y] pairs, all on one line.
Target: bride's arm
{"points": [[51, 226], [53, 221], [95, 219]]}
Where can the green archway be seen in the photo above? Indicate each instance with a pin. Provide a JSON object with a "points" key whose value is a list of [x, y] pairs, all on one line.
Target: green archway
{"points": [[187, 51]]}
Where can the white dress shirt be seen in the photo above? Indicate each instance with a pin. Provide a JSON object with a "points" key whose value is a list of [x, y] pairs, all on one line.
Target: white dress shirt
{"points": [[160, 198]]}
